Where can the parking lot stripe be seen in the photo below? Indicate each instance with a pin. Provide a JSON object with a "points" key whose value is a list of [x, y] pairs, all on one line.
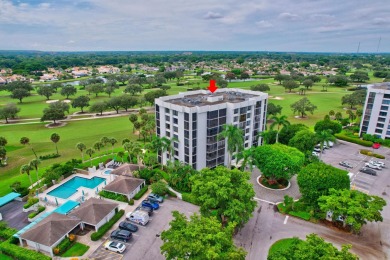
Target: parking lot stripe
{"points": [[285, 220]]}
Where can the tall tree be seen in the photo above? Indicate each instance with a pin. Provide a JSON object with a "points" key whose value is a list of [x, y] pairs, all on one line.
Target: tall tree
{"points": [[234, 139], [90, 152], [232, 200], [46, 91], [34, 164], [133, 118], [273, 109], [105, 140], [279, 121], [278, 161], [128, 101], [55, 111], [3, 154], [199, 238], [20, 93], [308, 83], [98, 107], [55, 138], [3, 141], [68, 90], [290, 84], [304, 141], [81, 147], [353, 207], [324, 137], [302, 106], [114, 103], [26, 168], [10, 110], [81, 102], [112, 141], [26, 141]]}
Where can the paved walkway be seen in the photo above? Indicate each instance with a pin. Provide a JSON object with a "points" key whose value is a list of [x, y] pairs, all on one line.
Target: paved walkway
{"points": [[274, 195]]}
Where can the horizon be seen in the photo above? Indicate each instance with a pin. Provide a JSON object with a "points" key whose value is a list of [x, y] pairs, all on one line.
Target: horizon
{"points": [[281, 26]]}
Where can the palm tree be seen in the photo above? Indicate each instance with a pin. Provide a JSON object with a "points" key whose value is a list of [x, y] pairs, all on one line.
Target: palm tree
{"points": [[133, 118], [81, 148], [34, 165], [90, 152], [105, 140], [234, 138], [25, 141], [324, 137], [121, 154], [247, 156], [55, 138], [112, 141], [138, 151], [279, 121], [26, 168], [128, 146], [265, 135]]}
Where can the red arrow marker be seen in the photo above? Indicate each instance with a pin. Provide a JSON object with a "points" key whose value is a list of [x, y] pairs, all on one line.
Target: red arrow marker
{"points": [[212, 86]]}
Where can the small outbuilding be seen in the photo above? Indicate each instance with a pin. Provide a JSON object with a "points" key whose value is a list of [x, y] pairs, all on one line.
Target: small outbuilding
{"points": [[127, 186], [94, 213], [127, 169], [48, 233]]}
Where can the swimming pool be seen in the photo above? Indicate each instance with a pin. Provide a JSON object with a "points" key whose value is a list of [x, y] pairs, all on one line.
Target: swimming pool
{"points": [[70, 187], [107, 171]]}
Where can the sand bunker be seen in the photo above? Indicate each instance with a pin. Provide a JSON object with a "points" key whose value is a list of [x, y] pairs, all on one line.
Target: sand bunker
{"points": [[277, 98], [56, 100]]}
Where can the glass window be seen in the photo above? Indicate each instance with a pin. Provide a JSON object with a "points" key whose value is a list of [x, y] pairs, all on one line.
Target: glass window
{"points": [[212, 114], [381, 119], [186, 116], [186, 150], [243, 110], [166, 110], [167, 126], [175, 113], [157, 108], [176, 137], [222, 112], [176, 145], [383, 113], [236, 111], [175, 129], [186, 134], [167, 118], [194, 125], [187, 159], [175, 121], [168, 134], [380, 125], [193, 116], [384, 108]]}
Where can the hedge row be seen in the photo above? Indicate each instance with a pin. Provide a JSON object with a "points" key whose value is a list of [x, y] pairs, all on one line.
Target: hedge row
{"points": [[30, 202], [63, 246], [189, 198], [6, 232], [20, 253], [49, 156], [369, 153], [34, 214], [141, 193], [172, 194], [354, 140], [103, 229], [113, 196]]}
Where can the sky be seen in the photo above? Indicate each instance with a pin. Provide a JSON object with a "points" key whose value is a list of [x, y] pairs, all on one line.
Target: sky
{"points": [[231, 25]]}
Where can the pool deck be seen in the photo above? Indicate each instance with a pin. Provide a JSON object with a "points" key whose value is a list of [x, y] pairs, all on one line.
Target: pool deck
{"points": [[52, 201]]}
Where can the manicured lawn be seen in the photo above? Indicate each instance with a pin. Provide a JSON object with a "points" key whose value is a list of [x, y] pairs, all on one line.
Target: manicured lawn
{"points": [[5, 257], [77, 249], [299, 214], [86, 131], [282, 244]]}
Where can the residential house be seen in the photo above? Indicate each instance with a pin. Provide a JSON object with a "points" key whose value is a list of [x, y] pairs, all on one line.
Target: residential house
{"points": [[126, 186]]}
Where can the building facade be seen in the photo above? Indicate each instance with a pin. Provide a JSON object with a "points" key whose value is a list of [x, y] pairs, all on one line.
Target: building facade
{"points": [[376, 113], [193, 120]]}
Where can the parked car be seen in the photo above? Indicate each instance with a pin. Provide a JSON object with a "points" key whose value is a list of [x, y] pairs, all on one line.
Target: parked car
{"points": [[155, 197], [345, 164], [381, 164], [115, 246], [153, 205], [139, 217], [146, 209], [368, 171], [373, 166], [376, 146], [318, 150], [128, 226], [121, 234], [315, 154]]}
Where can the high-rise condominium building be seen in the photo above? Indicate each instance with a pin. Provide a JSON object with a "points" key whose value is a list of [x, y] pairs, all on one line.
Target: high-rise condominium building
{"points": [[376, 114], [195, 118]]}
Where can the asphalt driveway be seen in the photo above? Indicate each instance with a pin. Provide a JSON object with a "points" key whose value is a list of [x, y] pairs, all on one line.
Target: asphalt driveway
{"points": [[13, 214]]}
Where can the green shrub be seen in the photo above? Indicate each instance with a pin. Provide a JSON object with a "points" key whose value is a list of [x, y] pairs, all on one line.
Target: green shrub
{"points": [[40, 209], [49, 156], [354, 140], [103, 229], [20, 253], [369, 153], [113, 196], [5, 231], [189, 198], [379, 156], [141, 193], [62, 246], [172, 194], [30, 202], [131, 202]]}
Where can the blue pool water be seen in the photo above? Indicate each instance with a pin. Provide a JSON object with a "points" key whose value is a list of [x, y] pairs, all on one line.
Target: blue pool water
{"points": [[107, 171], [70, 187]]}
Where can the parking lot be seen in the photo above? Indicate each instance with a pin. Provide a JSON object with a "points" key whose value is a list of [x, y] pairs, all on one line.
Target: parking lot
{"points": [[146, 242], [344, 151], [13, 214]]}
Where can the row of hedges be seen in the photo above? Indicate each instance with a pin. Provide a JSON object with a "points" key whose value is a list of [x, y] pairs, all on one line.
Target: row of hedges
{"points": [[5, 231], [62, 247], [34, 214], [354, 140], [113, 196], [49, 156], [171, 193], [141, 193], [20, 253], [189, 198], [30, 202], [103, 229], [369, 153]]}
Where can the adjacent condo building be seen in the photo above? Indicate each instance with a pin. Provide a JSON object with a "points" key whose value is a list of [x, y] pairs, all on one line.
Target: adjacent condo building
{"points": [[193, 120], [376, 114]]}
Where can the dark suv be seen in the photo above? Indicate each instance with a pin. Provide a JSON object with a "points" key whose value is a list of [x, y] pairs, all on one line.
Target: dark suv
{"points": [[368, 171], [128, 226], [121, 234], [149, 210]]}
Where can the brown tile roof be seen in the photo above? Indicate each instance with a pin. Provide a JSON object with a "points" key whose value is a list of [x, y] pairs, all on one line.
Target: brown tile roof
{"points": [[93, 210], [51, 229], [123, 185], [126, 169]]}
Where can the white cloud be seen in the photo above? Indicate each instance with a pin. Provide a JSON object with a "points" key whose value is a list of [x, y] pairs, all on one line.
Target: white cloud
{"points": [[289, 16], [213, 15], [264, 24]]}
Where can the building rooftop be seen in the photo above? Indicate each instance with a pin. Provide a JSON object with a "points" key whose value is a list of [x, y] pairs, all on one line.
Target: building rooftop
{"points": [[206, 99], [383, 85], [93, 210], [123, 185]]}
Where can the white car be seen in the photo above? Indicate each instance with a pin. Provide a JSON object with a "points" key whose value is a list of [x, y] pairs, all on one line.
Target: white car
{"points": [[315, 154], [115, 246], [381, 164], [373, 166]]}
